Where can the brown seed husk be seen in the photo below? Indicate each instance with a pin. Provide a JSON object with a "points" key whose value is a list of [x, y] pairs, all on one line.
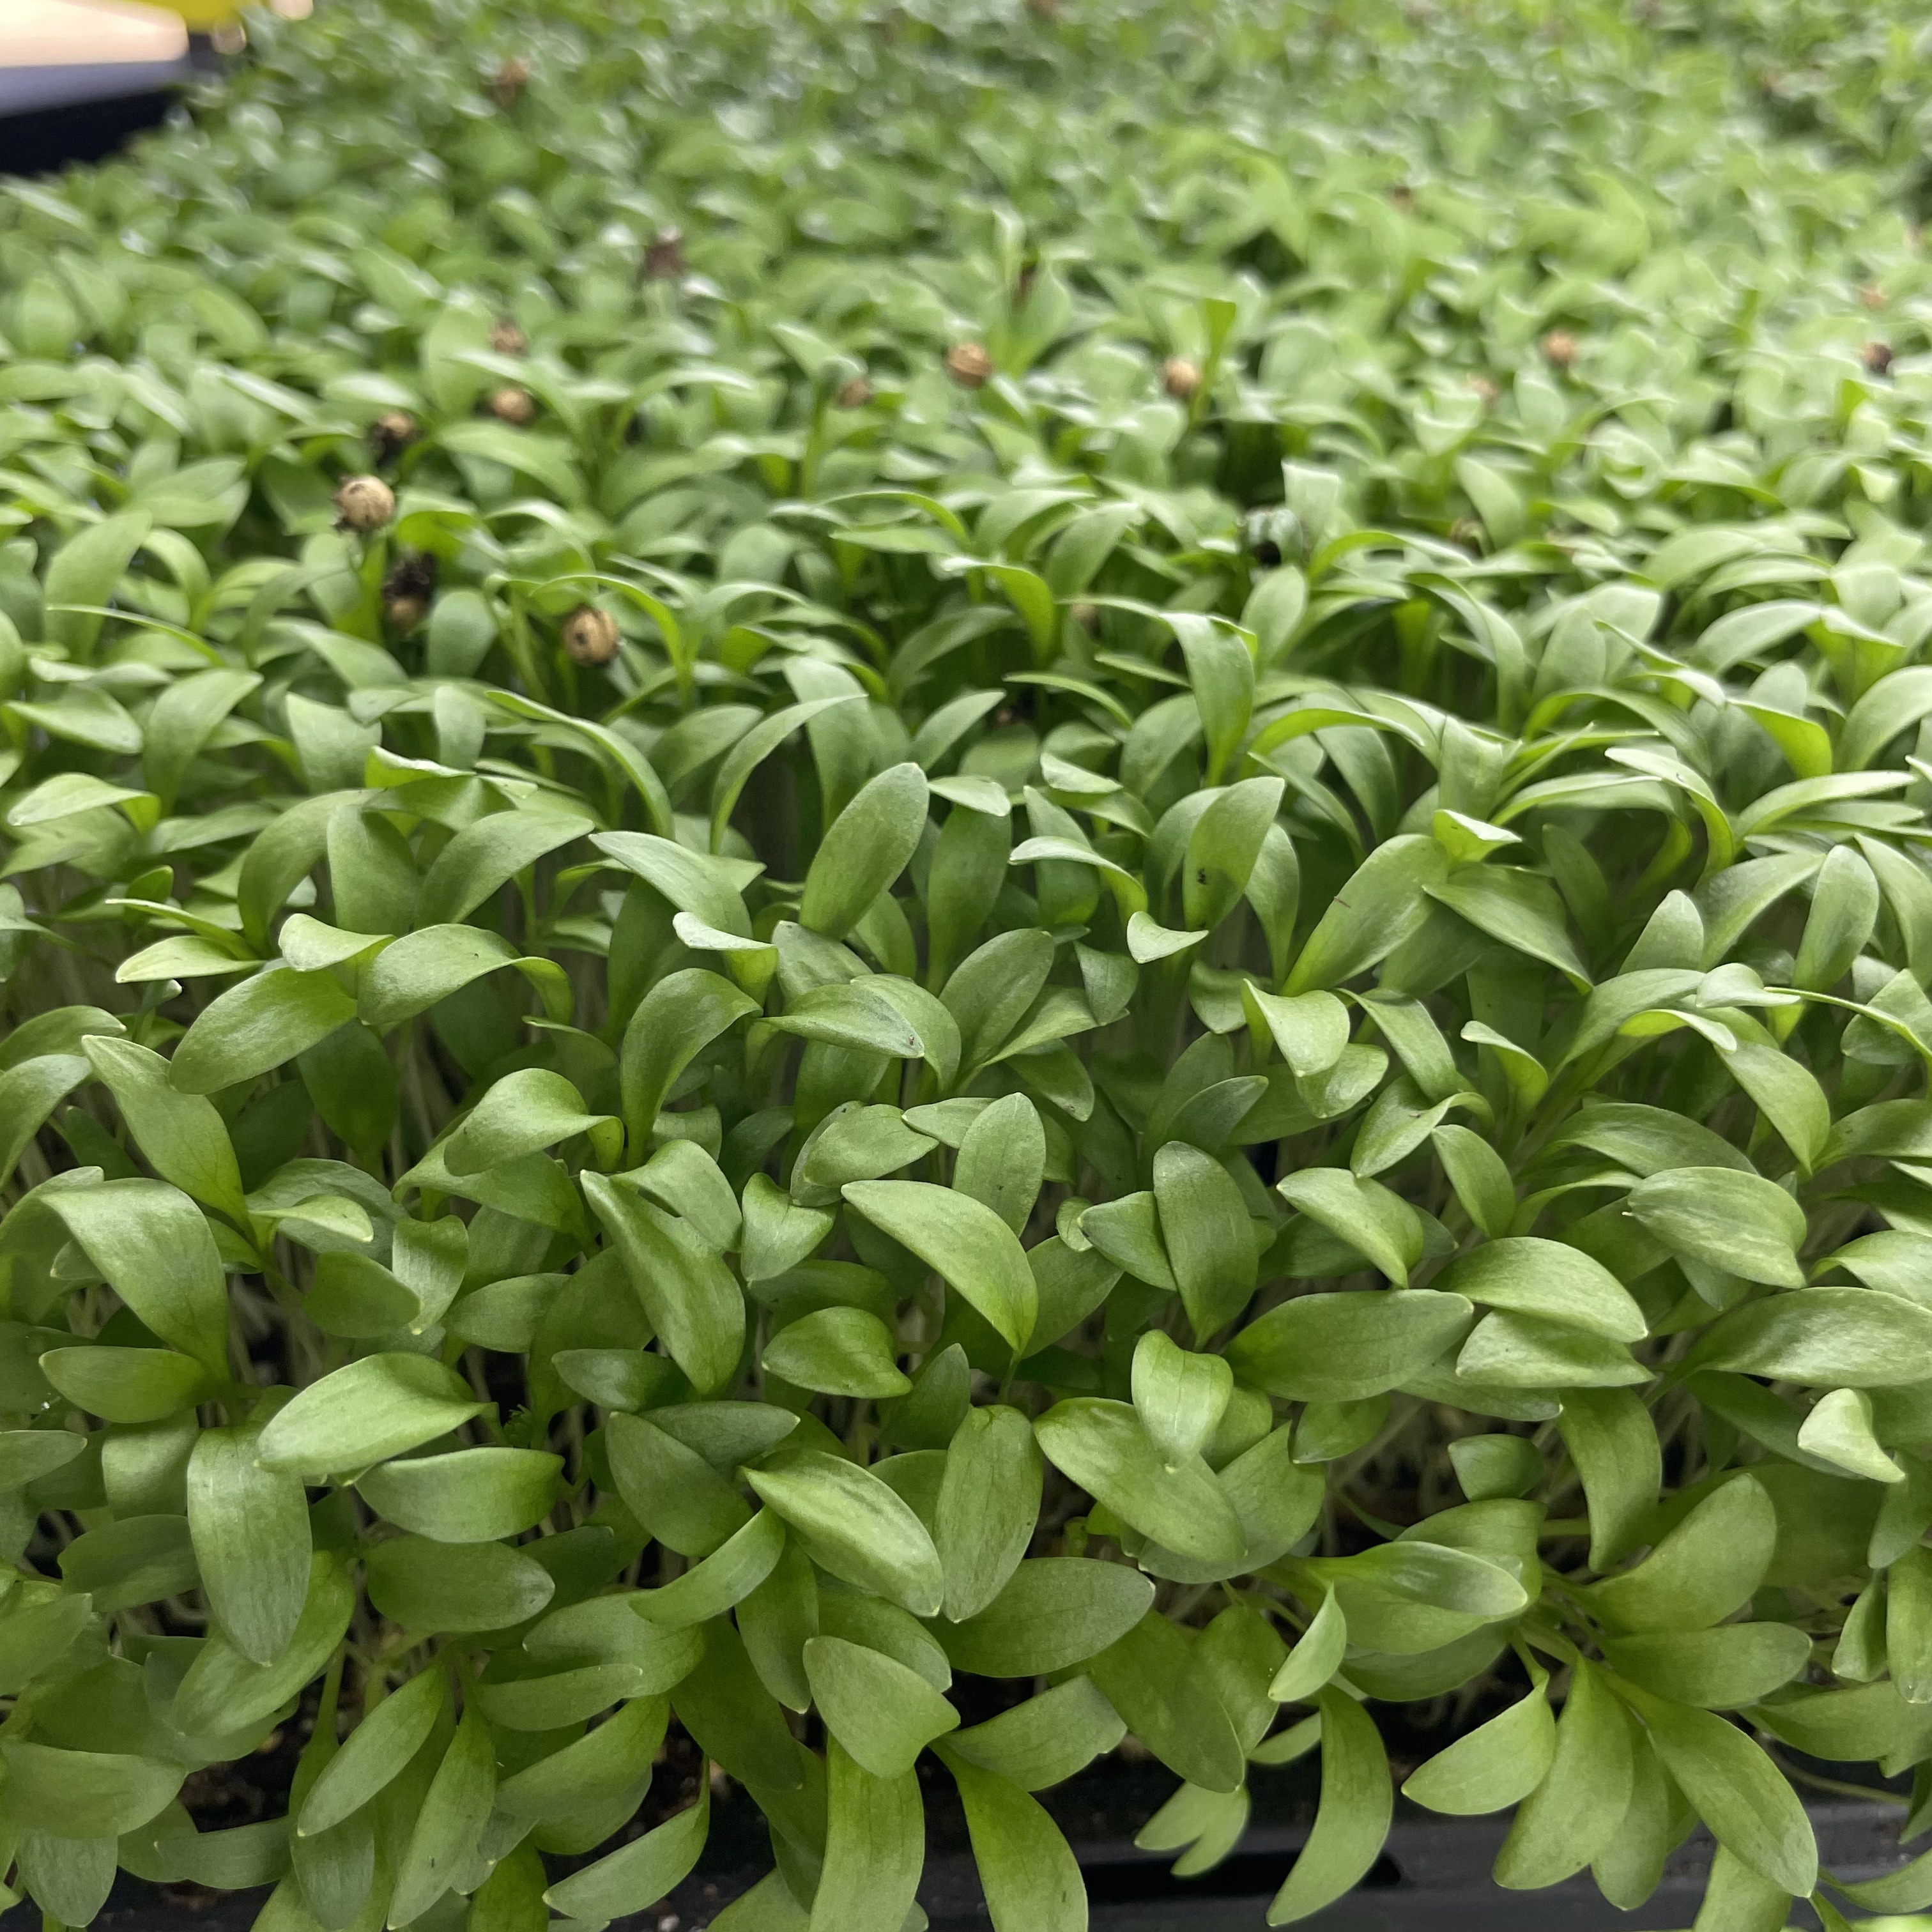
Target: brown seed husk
{"points": [[514, 406], [363, 504], [1180, 378], [511, 78], [1559, 349], [590, 636], [392, 433], [663, 255], [856, 393], [968, 364], [407, 589]]}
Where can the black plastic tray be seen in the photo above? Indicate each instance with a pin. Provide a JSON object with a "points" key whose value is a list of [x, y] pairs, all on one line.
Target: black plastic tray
{"points": [[52, 116], [1433, 1877]]}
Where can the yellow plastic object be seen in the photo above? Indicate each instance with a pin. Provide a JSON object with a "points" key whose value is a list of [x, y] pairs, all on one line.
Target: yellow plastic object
{"points": [[203, 15], [206, 16]]}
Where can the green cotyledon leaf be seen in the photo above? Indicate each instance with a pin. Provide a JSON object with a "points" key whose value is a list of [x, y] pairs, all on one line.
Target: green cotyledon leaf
{"points": [[1733, 1665], [1370, 1217], [1547, 1278], [1739, 1222], [730, 1573], [669, 1486], [1026, 1869], [854, 1524], [1102, 1447], [1611, 1439], [84, 1793], [1750, 1808], [1180, 1397], [429, 1586], [1384, 902], [685, 1288], [1819, 1337], [1153, 1677], [523, 1112], [865, 849], [961, 1239], [487, 855], [641, 1872], [1054, 1612], [183, 1135], [1352, 1819], [988, 1507], [372, 1409], [1045, 1740], [465, 1495], [1577, 1805], [615, 1756], [224, 1691], [378, 1748], [1316, 1657], [1003, 1159], [261, 1024], [1703, 1569], [156, 1250], [252, 1540], [1205, 1230], [838, 1352], [679, 1017], [1420, 1572], [874, 1847], [1343, 1347], [454, 1810], [1497, 1764], [884, 1713]]}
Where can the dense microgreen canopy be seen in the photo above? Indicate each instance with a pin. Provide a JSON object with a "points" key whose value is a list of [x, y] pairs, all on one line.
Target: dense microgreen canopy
{"points": [[1076, 846]]}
